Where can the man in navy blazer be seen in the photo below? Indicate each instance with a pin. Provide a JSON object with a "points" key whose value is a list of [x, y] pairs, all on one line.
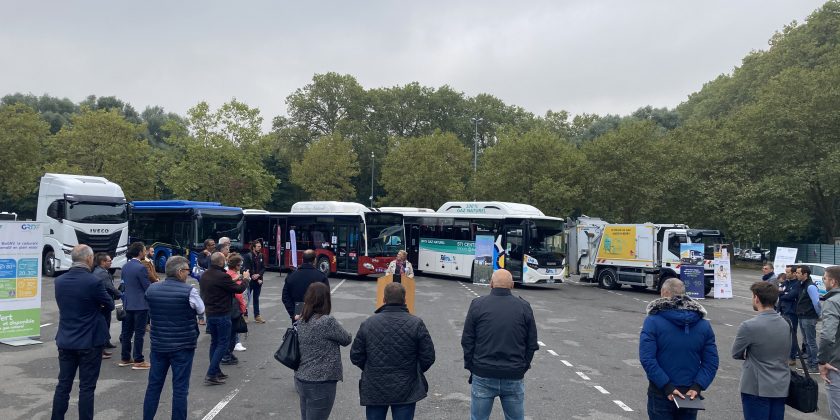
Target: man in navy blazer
{"points": [[135, 277], [82, 332]]}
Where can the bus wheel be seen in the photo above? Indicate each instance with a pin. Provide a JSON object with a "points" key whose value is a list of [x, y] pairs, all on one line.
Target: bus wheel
{"points": [[49, 264], [607, 279], [323, 265], [160, 263]]}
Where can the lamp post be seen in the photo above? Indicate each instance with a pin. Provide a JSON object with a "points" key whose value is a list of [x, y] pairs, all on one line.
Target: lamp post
{"points": [[372, 156], [476, 121]]}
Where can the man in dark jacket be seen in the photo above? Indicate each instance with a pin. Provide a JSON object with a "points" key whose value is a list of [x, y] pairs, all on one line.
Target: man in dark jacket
{"points": [[101, 271], [296, 283], [203, 259], [393, 349], [217, 290], [677, 350], [252, 262], [173, 306], [135, 278], [499, 341], [808, 311], [787, 306], [82, 332]]}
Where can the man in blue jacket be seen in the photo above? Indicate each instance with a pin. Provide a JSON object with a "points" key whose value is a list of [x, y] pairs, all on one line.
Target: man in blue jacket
{"points": [[82, 332], [173, 306], [135, 277], [787, 306], [678, 352]]}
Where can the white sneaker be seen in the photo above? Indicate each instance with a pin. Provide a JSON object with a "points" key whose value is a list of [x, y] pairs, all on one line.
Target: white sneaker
{"points": [[239, 347]]}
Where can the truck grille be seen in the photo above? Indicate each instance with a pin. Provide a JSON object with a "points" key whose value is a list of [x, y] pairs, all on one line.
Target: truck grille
{"points": [[100, 243]]}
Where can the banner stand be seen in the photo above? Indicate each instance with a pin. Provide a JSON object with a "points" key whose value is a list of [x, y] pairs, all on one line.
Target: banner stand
{"points": [[20, 282], [17, 342]]}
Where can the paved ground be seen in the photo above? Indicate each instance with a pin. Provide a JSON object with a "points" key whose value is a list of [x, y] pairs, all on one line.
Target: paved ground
{"points": [[588, 367]]}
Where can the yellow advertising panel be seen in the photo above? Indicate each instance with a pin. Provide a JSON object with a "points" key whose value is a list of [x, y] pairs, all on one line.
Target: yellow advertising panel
{"points": [[619, 242]]}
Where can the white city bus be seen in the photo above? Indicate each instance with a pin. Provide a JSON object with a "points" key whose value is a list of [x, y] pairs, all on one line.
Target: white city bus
{"points": [[529, 244]]}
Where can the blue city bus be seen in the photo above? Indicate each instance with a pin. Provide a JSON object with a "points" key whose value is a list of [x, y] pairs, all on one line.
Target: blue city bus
{"points": [[179, 227]]}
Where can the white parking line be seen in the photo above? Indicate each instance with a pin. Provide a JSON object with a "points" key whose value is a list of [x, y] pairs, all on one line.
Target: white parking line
{"points": [[583, 376], [543, 344], [566, 363], [622, 405], [730, 325], [600, 388], [218, 408], [47, 324], [553, 353], [337, 286]]}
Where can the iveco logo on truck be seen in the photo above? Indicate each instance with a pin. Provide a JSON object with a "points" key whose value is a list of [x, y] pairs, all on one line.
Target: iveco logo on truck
{"points": [[99, 230]]}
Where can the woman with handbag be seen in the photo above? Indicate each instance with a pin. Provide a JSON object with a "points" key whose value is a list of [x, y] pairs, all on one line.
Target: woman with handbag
{"points": [[319, 337]]}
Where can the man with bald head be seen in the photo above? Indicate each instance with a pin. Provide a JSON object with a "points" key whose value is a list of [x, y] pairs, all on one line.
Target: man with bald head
{"points": [[217, 290], [499, 341], [82, 332]]}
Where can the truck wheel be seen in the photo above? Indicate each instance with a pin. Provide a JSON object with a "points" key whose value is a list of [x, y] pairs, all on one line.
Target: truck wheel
{"points": [[608, 279], [323, 265], [49, 264], [706, 290]]}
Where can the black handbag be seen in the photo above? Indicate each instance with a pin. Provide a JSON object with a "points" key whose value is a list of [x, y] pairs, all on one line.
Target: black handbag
{"points": [[120, 313], [239, 325], [803, 394], [289, 351]]}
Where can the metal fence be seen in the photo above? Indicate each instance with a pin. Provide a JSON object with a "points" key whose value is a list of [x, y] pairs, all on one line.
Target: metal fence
{"points": [[817, 253]]}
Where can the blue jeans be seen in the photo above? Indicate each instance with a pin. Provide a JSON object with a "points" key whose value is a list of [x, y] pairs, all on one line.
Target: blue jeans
{"points": [[763, 408], [511, 393], [134, 324], [659, 407], [316, 399], [181, 363], [398, 411], [218, 326], [87, 362], [809, 330]]}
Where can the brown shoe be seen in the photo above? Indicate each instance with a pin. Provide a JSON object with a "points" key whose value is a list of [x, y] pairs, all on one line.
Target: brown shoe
{"points": [[141, 366], [202, 322], [124, 363], [259, 320]]}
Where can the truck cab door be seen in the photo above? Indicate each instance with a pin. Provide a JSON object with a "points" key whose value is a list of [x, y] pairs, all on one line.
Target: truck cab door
{"points": [[671, 247]]}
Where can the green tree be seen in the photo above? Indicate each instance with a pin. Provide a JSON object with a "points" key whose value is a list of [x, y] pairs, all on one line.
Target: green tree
{"points": [[22, 137], [326, 169], [536, 167], [57, 112], [103, 143], [215, 156], [426, 171]]}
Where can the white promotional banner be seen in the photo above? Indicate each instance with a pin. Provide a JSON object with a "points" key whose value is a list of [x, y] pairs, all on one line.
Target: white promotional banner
{"points": [[784, 257], [293, 248], [20, 281], [723, 279]]}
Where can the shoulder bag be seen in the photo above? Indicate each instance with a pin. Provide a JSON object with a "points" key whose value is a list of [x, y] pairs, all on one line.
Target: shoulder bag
{"points": [[289, 352], [803, 394]]}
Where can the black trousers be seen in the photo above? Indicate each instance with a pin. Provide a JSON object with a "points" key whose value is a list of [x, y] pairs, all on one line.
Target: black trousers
{"points": [[87, 362]]}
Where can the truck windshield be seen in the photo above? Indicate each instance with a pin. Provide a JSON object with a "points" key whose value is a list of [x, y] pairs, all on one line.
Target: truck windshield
{"points": [[546, 240], [385, 234], [106, 213]]}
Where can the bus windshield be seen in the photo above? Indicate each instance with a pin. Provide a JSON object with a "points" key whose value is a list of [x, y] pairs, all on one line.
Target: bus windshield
{"points": [[215, 226], [546, 240], [385, 234], [106, 213]]}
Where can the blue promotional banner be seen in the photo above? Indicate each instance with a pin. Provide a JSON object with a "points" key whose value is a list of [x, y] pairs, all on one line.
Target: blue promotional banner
{"points": [[692, 272], [483, 263]]}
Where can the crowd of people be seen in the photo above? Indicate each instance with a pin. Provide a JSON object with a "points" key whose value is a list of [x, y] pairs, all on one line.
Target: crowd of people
{"points": [[394, 349]]}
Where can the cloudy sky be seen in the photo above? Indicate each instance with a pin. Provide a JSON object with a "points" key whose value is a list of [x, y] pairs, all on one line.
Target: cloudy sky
{"points": [[582, 56]]}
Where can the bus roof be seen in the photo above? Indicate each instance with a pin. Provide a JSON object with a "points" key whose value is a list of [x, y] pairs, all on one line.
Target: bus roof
{"points": [[330, 207], [490, 207], [406, 210], [181, 204]]}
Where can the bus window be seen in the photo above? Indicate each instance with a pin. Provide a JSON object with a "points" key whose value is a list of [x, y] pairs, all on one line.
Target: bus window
{"points": [[385, 234]]}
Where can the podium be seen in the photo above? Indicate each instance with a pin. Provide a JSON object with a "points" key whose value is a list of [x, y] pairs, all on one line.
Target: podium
{"points": [[407, 282]]}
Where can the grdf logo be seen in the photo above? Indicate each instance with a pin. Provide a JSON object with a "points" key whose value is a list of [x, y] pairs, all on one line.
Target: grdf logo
{"points": [[28, 226]]}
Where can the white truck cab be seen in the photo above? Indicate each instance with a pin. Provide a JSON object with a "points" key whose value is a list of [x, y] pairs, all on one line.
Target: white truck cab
{"points": [[79, 209]]}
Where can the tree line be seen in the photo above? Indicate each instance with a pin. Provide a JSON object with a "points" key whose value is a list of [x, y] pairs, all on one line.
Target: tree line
{"points": [[754, 152]]}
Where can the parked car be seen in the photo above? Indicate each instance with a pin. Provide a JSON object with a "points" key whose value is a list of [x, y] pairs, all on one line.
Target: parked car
{"points": [[753, 254], [817, 272]]}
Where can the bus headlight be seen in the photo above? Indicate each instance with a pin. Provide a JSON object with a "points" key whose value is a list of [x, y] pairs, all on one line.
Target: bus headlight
{"points": [[368, 266]]}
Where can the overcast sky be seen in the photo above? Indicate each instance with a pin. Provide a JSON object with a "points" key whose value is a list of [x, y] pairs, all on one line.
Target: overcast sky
{"points": [[581, 56]]}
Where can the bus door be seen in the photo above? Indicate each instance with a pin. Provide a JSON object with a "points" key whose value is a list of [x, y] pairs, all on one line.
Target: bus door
{"points": [[276, 242], [514, 246], [347, 257], [413, 246]]}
